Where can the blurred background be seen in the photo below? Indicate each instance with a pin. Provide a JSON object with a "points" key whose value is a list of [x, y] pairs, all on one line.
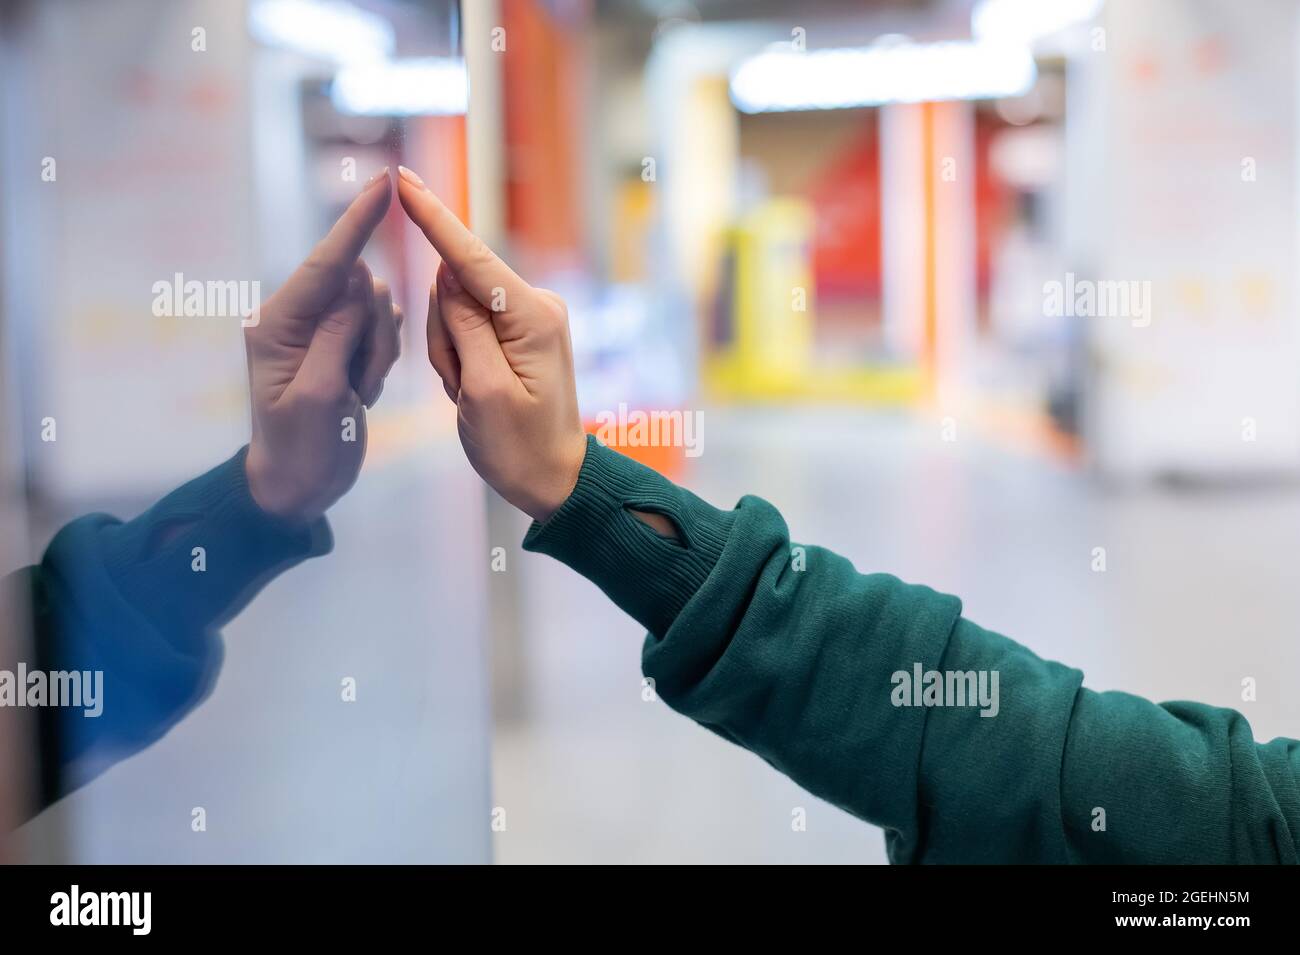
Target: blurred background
{"points": [[994, 295]]}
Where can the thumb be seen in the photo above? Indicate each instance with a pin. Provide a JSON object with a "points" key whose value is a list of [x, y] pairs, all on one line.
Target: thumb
{"points": [[338, 333], [470, 328]]}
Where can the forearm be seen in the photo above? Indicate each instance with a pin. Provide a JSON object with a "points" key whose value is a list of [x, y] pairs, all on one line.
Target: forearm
{"points": [[791, 653], [788, 653]]}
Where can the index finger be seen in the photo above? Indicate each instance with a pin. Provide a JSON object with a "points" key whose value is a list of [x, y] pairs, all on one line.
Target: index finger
{"points": [[321, 277], [477, 267]]}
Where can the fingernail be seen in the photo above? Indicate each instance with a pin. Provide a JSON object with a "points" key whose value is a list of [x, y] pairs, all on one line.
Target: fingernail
{"points": [[411, 177], [381, 176]]}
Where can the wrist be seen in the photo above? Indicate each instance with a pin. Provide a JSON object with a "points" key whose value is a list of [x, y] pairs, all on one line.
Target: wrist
{"points": [[271, 491], [599, 534], [551, 494]]}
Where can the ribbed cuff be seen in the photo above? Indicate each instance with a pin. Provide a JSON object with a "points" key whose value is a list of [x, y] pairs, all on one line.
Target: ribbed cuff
{"points": [[650, 577], [156, 563]]}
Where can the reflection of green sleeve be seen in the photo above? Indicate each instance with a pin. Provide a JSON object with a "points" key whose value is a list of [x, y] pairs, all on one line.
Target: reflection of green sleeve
{"points": [[792, 654], [127, 599]]}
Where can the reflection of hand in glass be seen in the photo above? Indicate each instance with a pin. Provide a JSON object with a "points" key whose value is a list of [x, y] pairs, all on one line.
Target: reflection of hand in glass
{"points": [[139, 603], [317, 359]]}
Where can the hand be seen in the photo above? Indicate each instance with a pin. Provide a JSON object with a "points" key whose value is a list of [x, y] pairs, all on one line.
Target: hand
{"points": [[502, 350], [317, 358]]}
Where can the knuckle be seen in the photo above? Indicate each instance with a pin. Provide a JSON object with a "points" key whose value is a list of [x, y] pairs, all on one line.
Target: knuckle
{"points": [[552, 314], [443, 357], [356, 284], [466, 320], [478, 254], [553, 306], [335, 323], [315, 262], [317, 266], [487, 392], [326, 394]]}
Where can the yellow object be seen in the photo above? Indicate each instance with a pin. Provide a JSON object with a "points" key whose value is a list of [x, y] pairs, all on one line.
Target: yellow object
{"points": [[763, 328], [760, 343]]}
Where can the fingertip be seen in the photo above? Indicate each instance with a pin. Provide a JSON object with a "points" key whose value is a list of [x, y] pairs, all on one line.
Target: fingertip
{"points": [[414, 202], [360, 281], [374, 198], [410, 178], [421, 203], [380, 184], [447, 277]]}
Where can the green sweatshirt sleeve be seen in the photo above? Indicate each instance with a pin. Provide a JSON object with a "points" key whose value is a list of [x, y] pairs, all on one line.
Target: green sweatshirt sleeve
{"points": [[836, 678]]}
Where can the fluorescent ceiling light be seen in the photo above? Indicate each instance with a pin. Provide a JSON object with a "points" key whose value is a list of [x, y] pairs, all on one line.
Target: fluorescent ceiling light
{"points": [[905, 72], [427, 86], [1027, 21], [326, 29]]}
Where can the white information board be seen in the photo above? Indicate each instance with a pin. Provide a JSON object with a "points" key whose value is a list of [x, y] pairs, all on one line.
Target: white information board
{"points": [[1184, 154]]}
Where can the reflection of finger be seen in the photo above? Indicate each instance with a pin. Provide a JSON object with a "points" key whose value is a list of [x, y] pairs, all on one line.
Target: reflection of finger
{"points": [[335, 340], [381, 346], [319, 279], [443, 357], [487, 278]]}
